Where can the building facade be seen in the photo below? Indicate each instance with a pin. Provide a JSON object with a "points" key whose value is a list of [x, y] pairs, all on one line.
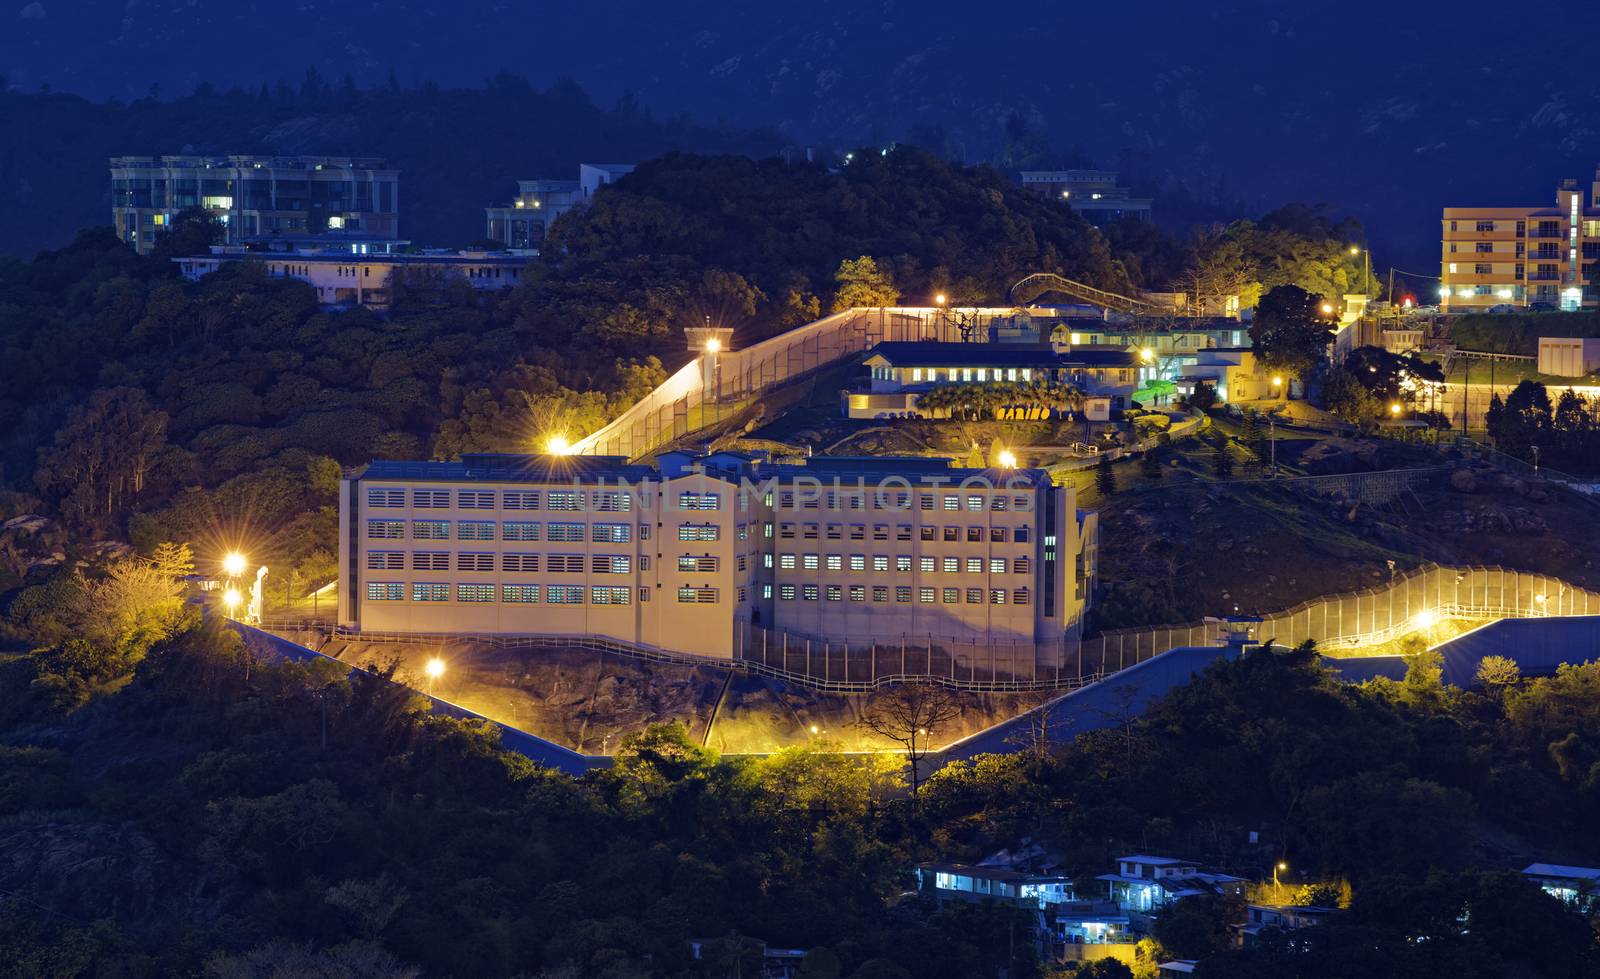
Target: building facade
{"points": [[1091, 193], [522, 224], [1521, 256], [701, 554], [899, 373], [348, 279], [252, 196]]}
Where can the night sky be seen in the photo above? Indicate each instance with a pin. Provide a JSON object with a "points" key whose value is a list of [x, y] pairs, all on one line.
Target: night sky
{"points": [[1384, 110]]}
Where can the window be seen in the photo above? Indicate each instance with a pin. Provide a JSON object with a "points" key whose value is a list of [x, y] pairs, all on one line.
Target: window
{"points": [[566, 532], [952, 534], [424, 592], [519, 562], [571, 500], [644, 531], [974, 535], [974, 565], [808, 561], [474, 593], [974, 596], [430, 561], [925, 501], [786, 531], [880, 562], [1485, 246], [475, 499], [929, 533], [858, 593], [997, 502], [1019, 597], [835, 562], [1019, 565], [744, 532], [809, 593], [610, 595], [564, 563], [766, 592], [385, 560], [786, 561], [880, 593], [520, 500], [697, 596], [696, 564], [474, 562], [1483, 268], [430, 530], [835, 593], [880, 531], [386, 497], [835, 531], [902, 593], [563, 594], [858, 531], [475, 530], [997, 565], [926, 564], [902, 562], [611, 564], [975, 504], [519, 530], [610, 502], [385, 529], [952, 565], [385, 591], [766, 530], [699, 501], [858, 562], [951, 596], [952, 503], [519, 594], [1482, 226], [786, 593], [1020, 535], [766, 560], [431, 499], [902, 532], [699, 531], [997, 596], [997, 535], [925, 596], [611, 533]]}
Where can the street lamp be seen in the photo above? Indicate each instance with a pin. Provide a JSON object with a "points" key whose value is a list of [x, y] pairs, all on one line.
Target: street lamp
{"points": [[1008, 459], [940, 299], [1394, 408], [557, 445], [230, 600], [1280, 865], [1327, 309], [233, 564], [434, 669], [713, 345]]}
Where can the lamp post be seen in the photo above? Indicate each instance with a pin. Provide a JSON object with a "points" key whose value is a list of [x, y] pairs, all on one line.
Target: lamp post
{"points": [[1280, 865], [434, 669]]}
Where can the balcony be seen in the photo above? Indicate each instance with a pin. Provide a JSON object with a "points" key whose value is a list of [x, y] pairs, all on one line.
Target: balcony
{"points": [[1543, 233], [1544, 277]]}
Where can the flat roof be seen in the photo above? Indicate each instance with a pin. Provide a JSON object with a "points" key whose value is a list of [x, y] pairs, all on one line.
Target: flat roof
{"points": [[1562, 870], [928, 353], [351, 258], [513, 468], [991, 873]]}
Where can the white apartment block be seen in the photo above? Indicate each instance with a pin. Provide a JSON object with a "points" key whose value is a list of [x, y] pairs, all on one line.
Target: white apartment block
{"points": [[346, 278], [702, 554], [522, 224]]}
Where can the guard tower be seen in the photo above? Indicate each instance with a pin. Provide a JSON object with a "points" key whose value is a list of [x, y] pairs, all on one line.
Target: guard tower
{"points": [[708, 342]]}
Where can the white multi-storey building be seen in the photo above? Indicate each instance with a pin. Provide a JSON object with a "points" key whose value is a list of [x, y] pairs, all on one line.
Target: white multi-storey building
{"points": [[701, 554]]}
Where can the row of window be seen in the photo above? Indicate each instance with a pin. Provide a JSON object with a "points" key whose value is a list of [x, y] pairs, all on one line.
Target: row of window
{"points": [[481, 594], [919, 374], [900, 501], [902, 532], [512, 530], [902, 594], [604, 501], [560, 563], [902, 563]]}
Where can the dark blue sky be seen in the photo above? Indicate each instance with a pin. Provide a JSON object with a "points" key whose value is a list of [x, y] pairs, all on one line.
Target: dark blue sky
{"points": [[1386, 110]]}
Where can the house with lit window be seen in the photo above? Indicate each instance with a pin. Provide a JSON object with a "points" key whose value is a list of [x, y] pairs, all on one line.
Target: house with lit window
{"points": [[1518, 256], [1094, 194], [343, 277], [1578, 886], [1285, 917], [900, 372], [714, 555], [522, 223], [1061, 918], [1143, 883]]}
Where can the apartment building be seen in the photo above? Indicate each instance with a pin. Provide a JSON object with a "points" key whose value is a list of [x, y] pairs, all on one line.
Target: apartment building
{"points": [[1091, 193], [343, 278], [522, 224], [701, 554], [1520, 256], [255, 195], [900, 372]]}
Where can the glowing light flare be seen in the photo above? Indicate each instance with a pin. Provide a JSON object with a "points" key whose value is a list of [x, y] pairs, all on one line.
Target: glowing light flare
{"points": [[434, 668], [1008, 459], [233, 564], [1277, 381], [231, 599], [1147, 355], [1425, 619], [1394, 409], [713, 345], [1327, 309], [558, 445], [940, 299]]}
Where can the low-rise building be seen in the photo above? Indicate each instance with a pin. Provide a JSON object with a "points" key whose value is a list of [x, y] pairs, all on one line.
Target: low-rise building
{"points": [[1569, 356], [1061, 918], [706, 555], [1519, 256], [253, 195], [522, 224], [1091, 193], [1285, 917], [1231, 372], [1145, 883], [349, 279], [1578, 886], [900, 373]]}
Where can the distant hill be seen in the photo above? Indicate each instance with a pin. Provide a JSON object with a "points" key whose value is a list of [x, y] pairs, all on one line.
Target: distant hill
{"points": [[457, 150]]}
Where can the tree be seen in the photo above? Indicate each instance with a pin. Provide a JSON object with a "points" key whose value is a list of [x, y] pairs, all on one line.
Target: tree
{"points": [[103, 455], [1424, 680], [172, 560], [1496, 673], [863, 284], [911, 715], [1150, 464], [1222, 465], [1204, 396], [1290, 333], [1105, 478]]}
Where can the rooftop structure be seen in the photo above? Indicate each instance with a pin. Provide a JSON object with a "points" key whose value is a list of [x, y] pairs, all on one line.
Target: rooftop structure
{"points": [[522, 224], [1091, 193], [708, 554], [1143, 883], [901, 372], [1287, 917], [255, 195], [1575, 885], [1519, 256]]}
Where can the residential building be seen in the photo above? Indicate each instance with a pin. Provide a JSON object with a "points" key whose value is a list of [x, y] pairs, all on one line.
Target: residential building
{"points": [[1091, 193], [1569, 356], [1287, 917], [1518, 256], [704, 555], [900, 372], [1061, 918], [1578, 886], [1146, 883], [255, 195], [522, 224], [345, 279], [1231, 371]]}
